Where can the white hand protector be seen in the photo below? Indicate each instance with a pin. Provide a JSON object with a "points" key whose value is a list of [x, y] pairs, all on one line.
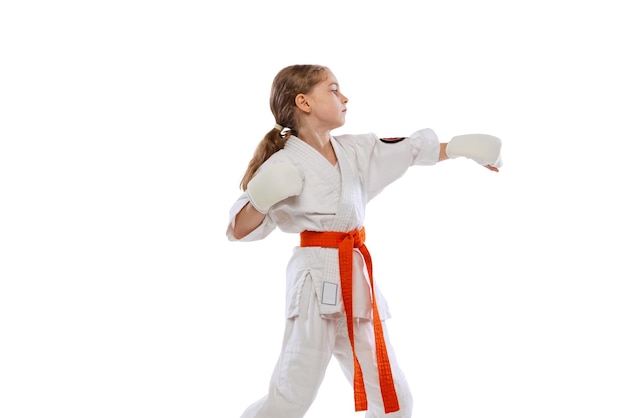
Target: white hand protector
{"points": [[484, 149], [273, 184]]}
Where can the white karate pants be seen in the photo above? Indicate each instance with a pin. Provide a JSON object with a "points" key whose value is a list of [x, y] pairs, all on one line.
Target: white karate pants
{"points": [[309, 343]]}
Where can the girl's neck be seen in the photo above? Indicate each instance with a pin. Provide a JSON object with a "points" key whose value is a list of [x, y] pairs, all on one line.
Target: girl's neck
{"points": [[318, 140], [321, 143]]}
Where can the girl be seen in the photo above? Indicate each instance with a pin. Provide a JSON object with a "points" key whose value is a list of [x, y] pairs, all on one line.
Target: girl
{"points": [[305, 181]]}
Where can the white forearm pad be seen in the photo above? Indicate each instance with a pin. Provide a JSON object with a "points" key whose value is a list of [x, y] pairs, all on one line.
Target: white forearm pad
{"points": [[273, 184], [484, 149]]}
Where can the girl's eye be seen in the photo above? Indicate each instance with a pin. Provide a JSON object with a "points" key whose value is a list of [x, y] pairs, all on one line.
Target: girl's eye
{"points": [[335, 91]]}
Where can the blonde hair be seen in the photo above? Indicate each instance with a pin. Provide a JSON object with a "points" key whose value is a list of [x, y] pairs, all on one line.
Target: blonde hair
{"points": [[288, 83]]}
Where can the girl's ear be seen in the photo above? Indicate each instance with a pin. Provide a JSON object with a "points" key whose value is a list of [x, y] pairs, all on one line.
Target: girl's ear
{"points": [[302, 103]]}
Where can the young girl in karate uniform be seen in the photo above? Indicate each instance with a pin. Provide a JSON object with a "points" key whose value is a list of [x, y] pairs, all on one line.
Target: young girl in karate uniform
{"points": [[305, 181]]}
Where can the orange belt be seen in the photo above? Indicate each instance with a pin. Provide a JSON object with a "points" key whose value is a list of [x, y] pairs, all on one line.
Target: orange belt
{"points": [[345, 242]]}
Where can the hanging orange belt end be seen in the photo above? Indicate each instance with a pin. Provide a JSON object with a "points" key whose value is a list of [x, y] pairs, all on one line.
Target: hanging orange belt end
{"points": [[345, 242]]}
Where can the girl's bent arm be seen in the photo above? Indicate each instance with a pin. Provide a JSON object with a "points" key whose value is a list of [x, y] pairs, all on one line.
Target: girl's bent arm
{"points": [[246, 221]]}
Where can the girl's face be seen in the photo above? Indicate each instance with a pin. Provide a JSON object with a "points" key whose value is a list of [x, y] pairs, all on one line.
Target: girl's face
{"points": [[328, 104]]}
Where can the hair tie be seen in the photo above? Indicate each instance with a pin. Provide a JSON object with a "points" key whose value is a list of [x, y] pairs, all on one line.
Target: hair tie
{"points": [[278, 128]]}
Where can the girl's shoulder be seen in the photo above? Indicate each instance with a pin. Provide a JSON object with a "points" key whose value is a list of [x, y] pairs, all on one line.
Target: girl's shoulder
{"points": [[350, 138], [356, 140], [356, 143]]}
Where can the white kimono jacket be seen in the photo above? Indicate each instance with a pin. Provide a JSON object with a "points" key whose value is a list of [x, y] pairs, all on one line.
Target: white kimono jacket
{"points": [[333, 198]]}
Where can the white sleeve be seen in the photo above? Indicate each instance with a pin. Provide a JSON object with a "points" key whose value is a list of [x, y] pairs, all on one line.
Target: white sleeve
{"points": [[391, 157], [425, 147]]}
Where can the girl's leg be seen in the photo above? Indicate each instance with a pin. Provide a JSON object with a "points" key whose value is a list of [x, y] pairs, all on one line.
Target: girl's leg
{"points": [[366, 353], [306, 352]]}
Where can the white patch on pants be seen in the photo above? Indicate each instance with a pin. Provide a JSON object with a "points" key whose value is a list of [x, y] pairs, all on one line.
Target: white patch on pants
{"points": [[329, 293]]}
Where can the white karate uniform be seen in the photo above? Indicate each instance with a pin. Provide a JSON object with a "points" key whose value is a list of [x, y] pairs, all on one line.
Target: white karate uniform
{"points": [[333, 198]]}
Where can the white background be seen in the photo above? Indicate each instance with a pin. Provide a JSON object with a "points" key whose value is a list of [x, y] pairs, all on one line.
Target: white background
{"points": [[126, 127]]}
